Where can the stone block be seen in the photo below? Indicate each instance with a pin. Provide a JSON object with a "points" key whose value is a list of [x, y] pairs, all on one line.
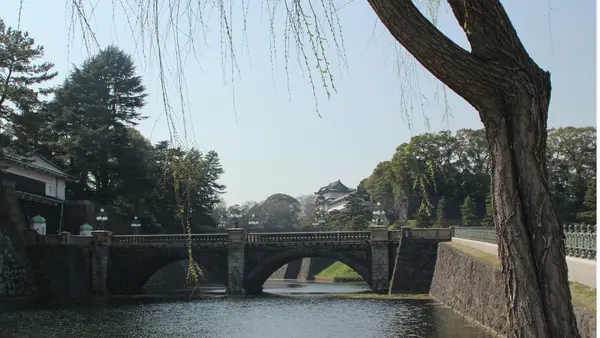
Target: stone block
{"points": [[101, 238], [378, 233], [236, 235]]}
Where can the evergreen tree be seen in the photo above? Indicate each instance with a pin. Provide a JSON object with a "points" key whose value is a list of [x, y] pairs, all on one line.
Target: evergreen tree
{"points": [[467, 210], [441, 212], [22, 80], [423, 219], [357, 212], [589, 216], [488, 220], [92, 113]]}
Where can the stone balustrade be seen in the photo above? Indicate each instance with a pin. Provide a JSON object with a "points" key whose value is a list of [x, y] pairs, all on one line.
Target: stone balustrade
{"points": [[428, 233], [252, 238], [580, 239], [169, 240], [305, 237]]}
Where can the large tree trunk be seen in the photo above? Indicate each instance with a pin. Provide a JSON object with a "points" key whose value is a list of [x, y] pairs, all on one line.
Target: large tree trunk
{"points": [[530, 238], [512, 95]]}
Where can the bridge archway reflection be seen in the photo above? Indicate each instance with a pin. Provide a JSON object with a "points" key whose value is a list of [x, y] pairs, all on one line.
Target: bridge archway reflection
{"points": [[176, 276], [129, 271]]}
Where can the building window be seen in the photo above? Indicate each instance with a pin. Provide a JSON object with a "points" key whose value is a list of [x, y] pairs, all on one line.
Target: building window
{"points": [[50, 190]]}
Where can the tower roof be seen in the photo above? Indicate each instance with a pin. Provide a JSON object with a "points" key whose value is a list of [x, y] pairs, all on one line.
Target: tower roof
{"points": [[334, 186]]}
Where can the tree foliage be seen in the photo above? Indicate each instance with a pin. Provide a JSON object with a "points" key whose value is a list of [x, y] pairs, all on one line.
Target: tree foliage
{"points": [[91, 118], [308, 211], [488, 220], [571, 158], [357, 215], [275, 212], [441, 212], [433, 165], [22, 85], [467, 211], [88, 128], [589, 216]]}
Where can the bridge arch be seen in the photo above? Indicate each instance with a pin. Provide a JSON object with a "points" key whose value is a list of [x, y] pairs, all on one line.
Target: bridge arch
{"points": [[129, 275], [258, 274]]}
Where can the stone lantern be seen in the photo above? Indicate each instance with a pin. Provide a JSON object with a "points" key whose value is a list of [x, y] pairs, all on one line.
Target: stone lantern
{"points": [[38, 223], [85, 230]]}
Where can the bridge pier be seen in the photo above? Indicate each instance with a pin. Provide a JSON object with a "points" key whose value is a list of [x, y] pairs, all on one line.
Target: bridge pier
{"points": [[101, 241], [380, 267], [236, 247]]}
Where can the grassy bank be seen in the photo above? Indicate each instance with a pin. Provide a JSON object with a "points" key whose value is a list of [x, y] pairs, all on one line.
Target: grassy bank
{"points": [[583, 296], [338, 272]]}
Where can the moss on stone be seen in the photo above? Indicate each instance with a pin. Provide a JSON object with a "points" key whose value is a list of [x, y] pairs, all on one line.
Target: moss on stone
{"points": [[583, 296]]}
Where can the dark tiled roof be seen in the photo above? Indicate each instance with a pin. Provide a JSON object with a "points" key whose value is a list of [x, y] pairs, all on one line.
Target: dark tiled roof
{"points": [[28, 162], [334, 186]]}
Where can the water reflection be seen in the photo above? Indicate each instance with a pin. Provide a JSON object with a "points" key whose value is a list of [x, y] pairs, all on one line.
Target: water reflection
{"points": [[294, 287], [256, 316]]}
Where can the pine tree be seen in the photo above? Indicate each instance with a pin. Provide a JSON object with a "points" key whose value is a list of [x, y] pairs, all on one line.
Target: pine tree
{"points": [[22, 84], [441, 212], [488, 220], [423, 219], [357, 213], [92, 113], [467, 210]]}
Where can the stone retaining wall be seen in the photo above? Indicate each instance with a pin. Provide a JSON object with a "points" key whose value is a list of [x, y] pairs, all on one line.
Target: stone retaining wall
{"points": [[312, 266], [280, 273], [474, 288], [293, 269], [13, 275]]}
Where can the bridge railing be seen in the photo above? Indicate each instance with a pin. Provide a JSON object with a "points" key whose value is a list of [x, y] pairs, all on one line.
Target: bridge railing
{"points": [[580, 239], [443, 234], [81, 240], [325, 236], [176, 239], [252, 238]]}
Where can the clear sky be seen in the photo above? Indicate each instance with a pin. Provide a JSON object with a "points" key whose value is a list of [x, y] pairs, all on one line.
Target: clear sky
{"points": [[276, 143]]}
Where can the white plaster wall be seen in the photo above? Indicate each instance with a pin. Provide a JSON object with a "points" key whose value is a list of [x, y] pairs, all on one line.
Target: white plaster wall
{"points": [[336, 206], [333, 194], [59, 187]]}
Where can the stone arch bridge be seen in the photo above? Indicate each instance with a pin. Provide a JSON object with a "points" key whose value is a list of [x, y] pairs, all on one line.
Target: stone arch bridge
{"points": [[68, 266]]}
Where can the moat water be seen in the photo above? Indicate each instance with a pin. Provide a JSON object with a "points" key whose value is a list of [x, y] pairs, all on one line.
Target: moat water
{"points": [[288, 309]]}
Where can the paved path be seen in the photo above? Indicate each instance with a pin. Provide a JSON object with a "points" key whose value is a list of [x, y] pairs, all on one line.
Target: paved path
{"points": [[580, 270]]}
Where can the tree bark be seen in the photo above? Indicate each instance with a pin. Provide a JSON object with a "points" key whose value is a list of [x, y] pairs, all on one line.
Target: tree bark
{"points": [[512, 95]]}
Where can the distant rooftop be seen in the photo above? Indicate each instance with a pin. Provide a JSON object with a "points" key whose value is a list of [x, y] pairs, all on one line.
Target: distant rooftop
{"points": [[336, 186]]}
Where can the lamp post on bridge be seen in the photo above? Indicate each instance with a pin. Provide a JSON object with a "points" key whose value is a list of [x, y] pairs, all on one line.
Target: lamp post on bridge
{"points": [[102, 217], [135, 224], [236, 217], [378, 215], [253, 222]]}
